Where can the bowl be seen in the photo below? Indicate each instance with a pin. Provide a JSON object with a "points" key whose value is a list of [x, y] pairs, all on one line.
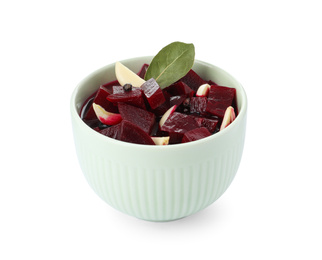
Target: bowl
{"points": [[158, 183]]}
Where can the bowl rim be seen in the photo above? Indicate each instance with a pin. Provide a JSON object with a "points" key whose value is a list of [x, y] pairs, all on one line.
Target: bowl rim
{"points": [[75, 114]]}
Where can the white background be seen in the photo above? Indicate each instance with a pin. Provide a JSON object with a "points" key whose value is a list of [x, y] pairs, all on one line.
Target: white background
{"points": [[272, 210]]}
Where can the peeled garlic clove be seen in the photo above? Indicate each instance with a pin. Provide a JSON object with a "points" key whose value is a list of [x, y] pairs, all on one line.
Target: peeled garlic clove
{"points": [[126, 76], [203, 90], [106, 117], [167, 114], [228, 117], [164, 140]]}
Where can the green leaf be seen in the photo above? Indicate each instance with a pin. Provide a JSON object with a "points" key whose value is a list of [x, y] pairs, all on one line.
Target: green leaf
{"points": [[171, 63]]}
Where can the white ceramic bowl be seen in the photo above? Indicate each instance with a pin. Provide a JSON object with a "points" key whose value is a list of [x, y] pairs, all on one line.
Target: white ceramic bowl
{"points": [[158, 183]]}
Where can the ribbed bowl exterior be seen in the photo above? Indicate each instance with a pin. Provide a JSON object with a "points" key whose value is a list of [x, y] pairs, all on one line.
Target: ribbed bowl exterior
{"points": [[158, 183]]}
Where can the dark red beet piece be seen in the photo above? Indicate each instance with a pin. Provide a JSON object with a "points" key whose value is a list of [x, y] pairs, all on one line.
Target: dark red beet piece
{"points": [[195, 134], [140, 117], [160, 110], [208, 123], [175, 138], [133, 97], [179, 88], [153, 93], [131, 133], [217, 108], [112, 131], [109, 86], [118, 89], [143, 70], [178, 122], [193, 80], [177, 100], [198, 105], [100, 99], [222, 94], [219, 99]]}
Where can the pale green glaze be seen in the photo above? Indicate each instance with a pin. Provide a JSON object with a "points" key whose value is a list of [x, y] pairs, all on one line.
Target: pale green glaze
{"points": [[158, 183]]}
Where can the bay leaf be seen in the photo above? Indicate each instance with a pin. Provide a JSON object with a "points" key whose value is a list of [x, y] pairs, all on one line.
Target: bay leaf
{"points": [[171, 63]]}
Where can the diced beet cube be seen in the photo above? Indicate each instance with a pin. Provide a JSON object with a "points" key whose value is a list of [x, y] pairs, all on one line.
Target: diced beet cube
{"points": [[179, 88], [219, 99], [133, 97], [217, 108], [199, 120], [177, 124], [112, 131], [143, 70], [101, 95], [193, 80], [160, 110], [177, 100], [140, 117], [208, 123], [100, 99], [109, 86], [222, 94], [131, 133], [195, 134], [175, 138], [153, 93], [117, 89], [198, 105]]}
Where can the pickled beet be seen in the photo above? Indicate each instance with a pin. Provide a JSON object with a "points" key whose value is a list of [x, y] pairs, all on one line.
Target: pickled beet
{"points": [[160, 110], [153, 93], [219, 98], [143, 70], [109, 86], [140, 117], [217, 108], [198, 105], [180, 123], [112, 131], [177, 124], [118, 89], [177, 100], [131, 133], [179, 88], [195, 134], [210, 124], [193, 80], [101, 99], [133, 97], [222, 94]]}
